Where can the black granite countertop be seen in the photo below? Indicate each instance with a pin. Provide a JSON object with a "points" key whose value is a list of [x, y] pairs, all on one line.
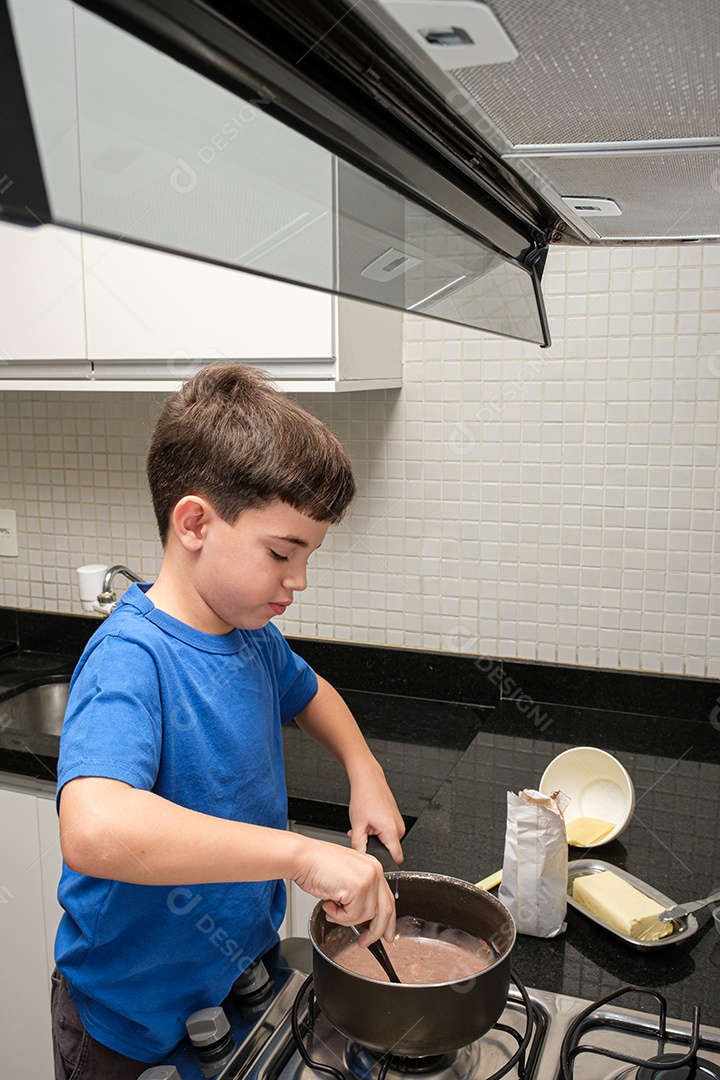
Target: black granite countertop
{"points": [[452, 762], [672, 842]]}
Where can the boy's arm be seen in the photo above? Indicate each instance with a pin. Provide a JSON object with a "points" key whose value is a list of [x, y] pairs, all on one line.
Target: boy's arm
{"points": [[373, 810], [109, 829]]}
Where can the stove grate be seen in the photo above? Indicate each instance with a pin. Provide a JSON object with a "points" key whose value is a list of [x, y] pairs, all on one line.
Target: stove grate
{"points": [[572, 1048], [523, 1058]]}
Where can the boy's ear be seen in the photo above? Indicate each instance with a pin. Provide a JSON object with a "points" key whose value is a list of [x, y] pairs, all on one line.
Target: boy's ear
{"points": [[190, 520]]}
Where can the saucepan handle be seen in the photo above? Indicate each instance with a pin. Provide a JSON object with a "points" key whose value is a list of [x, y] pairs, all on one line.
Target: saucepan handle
{"points": [[376, 848]]}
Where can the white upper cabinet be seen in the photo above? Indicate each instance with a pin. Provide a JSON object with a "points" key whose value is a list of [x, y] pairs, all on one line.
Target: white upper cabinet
{"points": [[150, 305], [82, 312], [42, 309], [135, 145], [150, 315]]}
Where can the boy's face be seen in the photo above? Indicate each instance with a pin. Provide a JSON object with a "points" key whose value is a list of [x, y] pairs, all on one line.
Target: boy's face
{"points": [[249, 571]]}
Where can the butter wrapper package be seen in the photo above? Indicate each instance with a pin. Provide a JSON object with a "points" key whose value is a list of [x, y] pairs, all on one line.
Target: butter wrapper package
{"points": [[535, 864]]}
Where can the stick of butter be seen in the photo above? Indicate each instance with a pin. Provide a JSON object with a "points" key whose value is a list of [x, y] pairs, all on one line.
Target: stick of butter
{"points": [[586, 830], [621, 905]]}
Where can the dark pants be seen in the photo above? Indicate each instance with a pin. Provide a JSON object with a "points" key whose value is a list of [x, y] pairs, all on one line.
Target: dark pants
{"points": [[78, 1056]]}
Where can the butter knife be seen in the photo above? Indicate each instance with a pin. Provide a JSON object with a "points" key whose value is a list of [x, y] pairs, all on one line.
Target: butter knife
{"points": [[679, 910]]}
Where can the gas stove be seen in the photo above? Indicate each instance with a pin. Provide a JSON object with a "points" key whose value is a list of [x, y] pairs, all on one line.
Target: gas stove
{"points": [[277, 1032]]}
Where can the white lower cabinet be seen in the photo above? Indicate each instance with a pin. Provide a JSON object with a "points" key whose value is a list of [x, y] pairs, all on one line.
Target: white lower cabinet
{"points": [[300, 904], [30, 867], [30, 864]]}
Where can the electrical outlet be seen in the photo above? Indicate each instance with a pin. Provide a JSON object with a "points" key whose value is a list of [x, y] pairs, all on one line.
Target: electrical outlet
{"points": [[8, 533]]}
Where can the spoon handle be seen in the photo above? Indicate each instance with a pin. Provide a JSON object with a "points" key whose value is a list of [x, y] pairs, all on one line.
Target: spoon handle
{"points": [[378, 950]]}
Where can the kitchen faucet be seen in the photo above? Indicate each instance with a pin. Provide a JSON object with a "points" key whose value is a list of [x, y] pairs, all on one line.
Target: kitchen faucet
{"points": [[107, 597]]}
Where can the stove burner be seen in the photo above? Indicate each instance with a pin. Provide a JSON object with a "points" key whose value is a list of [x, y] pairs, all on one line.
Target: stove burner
{"points": [[361, 1061], [701, 1069]]}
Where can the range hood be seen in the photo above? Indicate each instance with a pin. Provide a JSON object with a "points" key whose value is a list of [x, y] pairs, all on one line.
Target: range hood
{"points": [[253, 136], [422, 155]]}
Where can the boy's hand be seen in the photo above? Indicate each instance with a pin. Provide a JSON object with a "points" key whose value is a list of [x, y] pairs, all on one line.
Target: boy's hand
{"points": [[374, 812], [352, 887]]}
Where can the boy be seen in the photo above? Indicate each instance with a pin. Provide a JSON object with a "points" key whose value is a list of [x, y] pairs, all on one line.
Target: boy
{"points": [[170, 780]]}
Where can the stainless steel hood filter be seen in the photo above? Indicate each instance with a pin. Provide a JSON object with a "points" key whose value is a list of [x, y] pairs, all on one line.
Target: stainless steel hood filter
{"points": [[610, 72], [664, 195], [614, 101]]}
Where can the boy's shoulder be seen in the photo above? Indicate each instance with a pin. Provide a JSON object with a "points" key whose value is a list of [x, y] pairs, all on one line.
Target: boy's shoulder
{"points": [[127, 621]]}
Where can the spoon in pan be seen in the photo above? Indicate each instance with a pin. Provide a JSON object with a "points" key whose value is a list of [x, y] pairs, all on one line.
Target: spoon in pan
{"points": [[378, 950], [377, 849]]}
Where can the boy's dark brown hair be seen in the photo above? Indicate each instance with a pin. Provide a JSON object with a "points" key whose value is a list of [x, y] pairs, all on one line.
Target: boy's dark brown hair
{"points": [[230, 437]]}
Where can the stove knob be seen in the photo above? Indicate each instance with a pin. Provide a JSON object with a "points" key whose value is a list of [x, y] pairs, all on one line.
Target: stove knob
{"points": [[207, 1027], [254, 983], [209, 1031], [161, 1072]]}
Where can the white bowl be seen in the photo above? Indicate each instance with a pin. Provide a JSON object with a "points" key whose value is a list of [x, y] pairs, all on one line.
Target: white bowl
{"points": [[597, 785]]}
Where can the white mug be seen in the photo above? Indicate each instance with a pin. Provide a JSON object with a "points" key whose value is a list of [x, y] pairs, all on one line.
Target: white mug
{"points": [[90, 580]]}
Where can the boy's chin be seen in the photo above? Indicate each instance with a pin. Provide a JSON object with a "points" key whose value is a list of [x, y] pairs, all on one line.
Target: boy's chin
{"points": [[255, 623]]}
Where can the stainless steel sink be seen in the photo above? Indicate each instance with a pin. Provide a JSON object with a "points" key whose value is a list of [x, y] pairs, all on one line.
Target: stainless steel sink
{"points": [[39, 710]]}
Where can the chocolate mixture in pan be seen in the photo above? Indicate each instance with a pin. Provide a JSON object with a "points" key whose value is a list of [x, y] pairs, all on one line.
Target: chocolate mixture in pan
{"points": [[448, 957]]}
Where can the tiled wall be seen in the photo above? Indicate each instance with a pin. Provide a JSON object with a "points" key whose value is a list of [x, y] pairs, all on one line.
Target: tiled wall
{"points": [[559, 505]]}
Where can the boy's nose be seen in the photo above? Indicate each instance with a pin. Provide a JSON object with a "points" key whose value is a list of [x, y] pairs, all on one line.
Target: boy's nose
{"points": [[296, 579]]}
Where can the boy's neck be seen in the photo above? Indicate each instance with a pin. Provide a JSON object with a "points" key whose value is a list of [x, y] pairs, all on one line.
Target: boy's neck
{"points": [[173, 593]]}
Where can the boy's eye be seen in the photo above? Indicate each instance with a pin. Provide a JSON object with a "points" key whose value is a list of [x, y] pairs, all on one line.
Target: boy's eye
{"points": [[276, 555]]}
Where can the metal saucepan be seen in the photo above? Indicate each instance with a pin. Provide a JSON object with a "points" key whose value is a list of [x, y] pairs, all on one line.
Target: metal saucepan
{"points": [[418, 1020]]}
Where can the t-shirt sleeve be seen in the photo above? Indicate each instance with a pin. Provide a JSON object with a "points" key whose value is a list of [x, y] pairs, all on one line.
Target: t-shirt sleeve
{"points": [[297, 682], [113, 723]]}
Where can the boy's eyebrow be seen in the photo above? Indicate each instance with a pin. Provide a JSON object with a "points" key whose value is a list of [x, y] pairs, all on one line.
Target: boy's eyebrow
{"points": [[293, 540]]}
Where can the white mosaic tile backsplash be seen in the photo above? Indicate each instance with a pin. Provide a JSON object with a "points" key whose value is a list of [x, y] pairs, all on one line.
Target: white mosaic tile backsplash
{"points": [[557, 505]]}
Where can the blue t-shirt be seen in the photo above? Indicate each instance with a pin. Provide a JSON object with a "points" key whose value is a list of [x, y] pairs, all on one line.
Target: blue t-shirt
{"points": [[195, 718]]}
